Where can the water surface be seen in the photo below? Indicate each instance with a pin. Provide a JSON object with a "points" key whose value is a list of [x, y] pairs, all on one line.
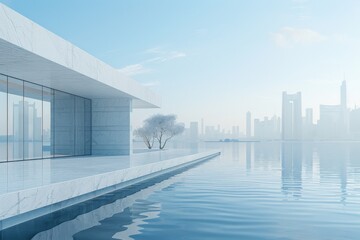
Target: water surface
{"points": [[269, 190]]}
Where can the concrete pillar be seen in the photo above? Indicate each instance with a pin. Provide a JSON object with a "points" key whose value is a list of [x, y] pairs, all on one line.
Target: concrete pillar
{"points": [[111, 126]]}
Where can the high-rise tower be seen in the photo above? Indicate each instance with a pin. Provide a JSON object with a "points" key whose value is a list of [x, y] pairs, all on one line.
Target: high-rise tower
{"points": [[248, 124], [343, 95], [344, 109], [291, 116]]}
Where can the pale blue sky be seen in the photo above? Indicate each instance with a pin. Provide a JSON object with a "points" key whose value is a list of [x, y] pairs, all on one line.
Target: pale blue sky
{"points": [[217, 59]]}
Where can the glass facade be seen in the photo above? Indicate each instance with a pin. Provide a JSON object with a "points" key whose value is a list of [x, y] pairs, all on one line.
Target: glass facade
{"points": [[64, 127], [15, 120], [32, 121], [38, 122], [48, 121], [3, 118]]}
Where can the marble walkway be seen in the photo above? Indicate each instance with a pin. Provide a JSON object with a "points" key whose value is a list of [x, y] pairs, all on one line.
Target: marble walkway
{"points": [[15, 176], [33, 188]]}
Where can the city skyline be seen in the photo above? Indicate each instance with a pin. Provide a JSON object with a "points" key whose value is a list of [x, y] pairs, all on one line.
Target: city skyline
{"points": [[336, 122], [202, 50]]}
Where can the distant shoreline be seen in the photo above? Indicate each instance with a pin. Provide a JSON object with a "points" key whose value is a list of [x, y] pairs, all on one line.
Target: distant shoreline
{"points": [[307, 141]]}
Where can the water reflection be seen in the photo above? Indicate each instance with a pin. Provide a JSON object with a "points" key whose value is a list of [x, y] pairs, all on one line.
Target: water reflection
{"points": [[277, 188], [248, 155], [326, 160], [291, 168], [127, 207], [308, 156], [333, 160], [235, 151], [266, 154]]}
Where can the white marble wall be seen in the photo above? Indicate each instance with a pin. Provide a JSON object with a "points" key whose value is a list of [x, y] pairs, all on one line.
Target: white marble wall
{"points": [[62, 65], [111, 126], [64, 124], [20, 206]]}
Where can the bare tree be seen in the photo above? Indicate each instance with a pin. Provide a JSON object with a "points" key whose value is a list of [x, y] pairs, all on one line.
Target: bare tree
{"points": [[165, 127], [147, 134]]}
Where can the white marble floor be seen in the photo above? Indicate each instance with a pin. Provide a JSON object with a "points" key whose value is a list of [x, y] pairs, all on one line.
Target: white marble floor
{"points": [[16, 176]]}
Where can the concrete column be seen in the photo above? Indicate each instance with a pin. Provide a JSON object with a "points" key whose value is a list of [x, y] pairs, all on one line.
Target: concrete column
{"points": [[111, 126]]}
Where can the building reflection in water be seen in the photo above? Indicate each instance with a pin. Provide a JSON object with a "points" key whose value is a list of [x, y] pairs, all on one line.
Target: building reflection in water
{"points": [[308, 156], [248, 155], [266, 154], [291, 167], [129, 208], [333, 159], [235, 151]]}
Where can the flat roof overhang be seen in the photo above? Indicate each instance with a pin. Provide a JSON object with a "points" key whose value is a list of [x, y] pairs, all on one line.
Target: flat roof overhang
{"points": [[32, 53]]}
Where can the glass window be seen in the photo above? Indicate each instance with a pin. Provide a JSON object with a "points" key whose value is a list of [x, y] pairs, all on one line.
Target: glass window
{"points": [[80, 126], [48, 123], [3, 118], [64, 114], [87, 127], [32, 121], [40, 122], [15, 119]]}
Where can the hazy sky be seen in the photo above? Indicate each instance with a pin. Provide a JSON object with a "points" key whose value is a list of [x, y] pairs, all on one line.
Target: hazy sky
{"points": [[217, 59]]}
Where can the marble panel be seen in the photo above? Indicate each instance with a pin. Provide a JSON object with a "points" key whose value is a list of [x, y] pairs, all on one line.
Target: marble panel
{"points": [[111, 124]]}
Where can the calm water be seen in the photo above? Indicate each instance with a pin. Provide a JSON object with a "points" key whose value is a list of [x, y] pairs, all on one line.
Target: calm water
{"points": [[252, 191]]}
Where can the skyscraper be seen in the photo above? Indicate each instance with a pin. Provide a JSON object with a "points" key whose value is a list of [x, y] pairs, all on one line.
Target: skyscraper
{"points": [[248, 124], [202, 127], [194, 131], [268, 128], [343, 95], [334, 119], [291, 116], [344, 109], [308, 127]]}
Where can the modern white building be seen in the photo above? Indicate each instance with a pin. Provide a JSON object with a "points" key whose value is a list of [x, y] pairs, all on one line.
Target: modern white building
{"points": [[291, 116], [248, 125], [354, 123], [194, 132], [308, 124], [334, 119], [57, 100], [267, 129]]}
